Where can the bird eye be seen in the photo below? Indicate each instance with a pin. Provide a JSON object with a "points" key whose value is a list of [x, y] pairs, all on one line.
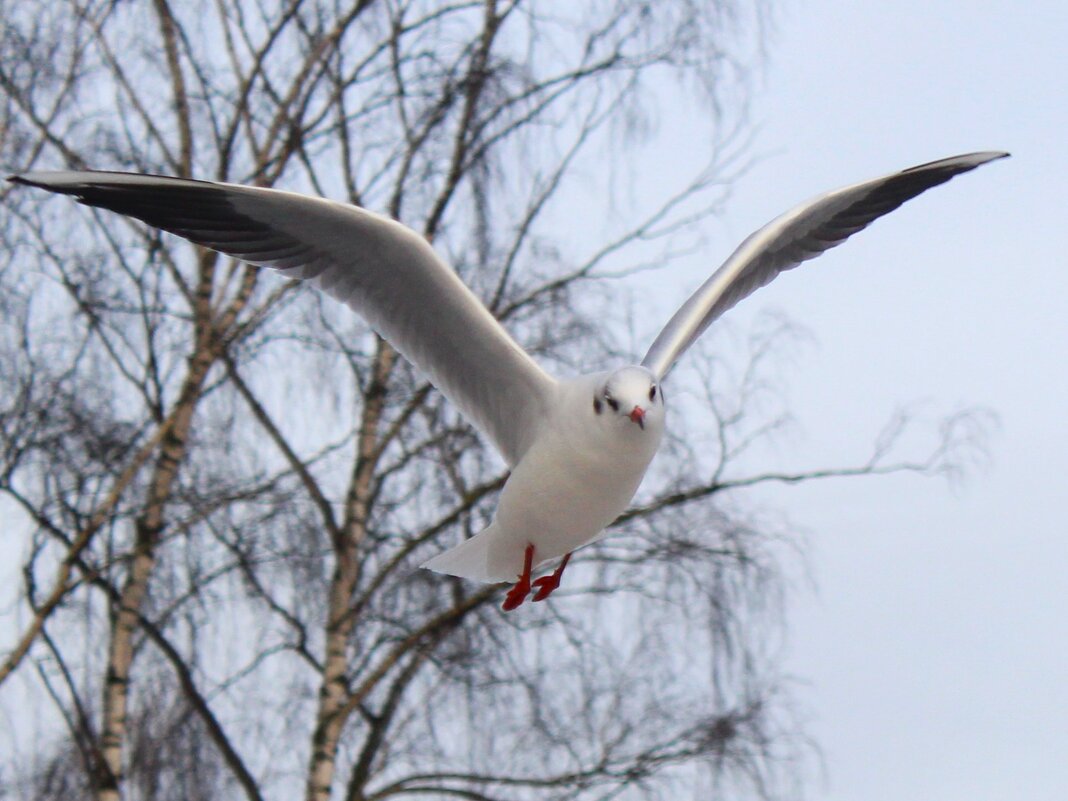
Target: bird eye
{"points": [[596, 405], [613, 403], [652, 392]]}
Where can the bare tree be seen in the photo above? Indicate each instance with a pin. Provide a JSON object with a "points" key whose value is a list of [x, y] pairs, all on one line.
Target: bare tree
{"points": [[221, 485]]}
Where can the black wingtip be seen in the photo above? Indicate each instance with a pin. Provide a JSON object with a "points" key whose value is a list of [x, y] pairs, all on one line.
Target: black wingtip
{"points": [[965, 162], [21, 180]]}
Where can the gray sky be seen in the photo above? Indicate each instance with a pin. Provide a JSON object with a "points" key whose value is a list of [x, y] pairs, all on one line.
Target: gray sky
{"points": [[934, 652]]}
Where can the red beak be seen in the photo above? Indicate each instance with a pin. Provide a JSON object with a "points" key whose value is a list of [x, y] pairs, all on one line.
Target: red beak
{"points": [[637, 415]]}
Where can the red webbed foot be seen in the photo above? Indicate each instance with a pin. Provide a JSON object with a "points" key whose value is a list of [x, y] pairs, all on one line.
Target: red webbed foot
{"points": [[547, 584], [518, 593]]}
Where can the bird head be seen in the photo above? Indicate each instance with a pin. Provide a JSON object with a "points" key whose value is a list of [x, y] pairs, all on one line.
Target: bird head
{"points": [[631, 394]]}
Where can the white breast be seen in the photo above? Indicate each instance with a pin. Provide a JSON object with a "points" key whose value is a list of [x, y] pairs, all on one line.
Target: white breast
{"points": [[579, 475]]}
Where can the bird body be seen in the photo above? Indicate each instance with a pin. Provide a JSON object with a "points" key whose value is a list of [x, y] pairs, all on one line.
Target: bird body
{"points": [[578, 476], [578, 448]]}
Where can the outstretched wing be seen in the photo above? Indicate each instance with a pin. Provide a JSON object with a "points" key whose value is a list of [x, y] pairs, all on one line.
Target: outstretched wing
{"points": [[802, 233], [383, 270]]}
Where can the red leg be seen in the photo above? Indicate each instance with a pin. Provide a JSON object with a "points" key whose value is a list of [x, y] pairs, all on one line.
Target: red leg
{"points": [[546, 584], [518, 593]]}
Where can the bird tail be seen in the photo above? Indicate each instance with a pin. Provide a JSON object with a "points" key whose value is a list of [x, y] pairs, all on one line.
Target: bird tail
{"points": [[476, 559]]}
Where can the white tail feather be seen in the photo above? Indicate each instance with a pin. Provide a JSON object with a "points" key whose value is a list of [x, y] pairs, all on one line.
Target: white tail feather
{"points": [[471, 559]]}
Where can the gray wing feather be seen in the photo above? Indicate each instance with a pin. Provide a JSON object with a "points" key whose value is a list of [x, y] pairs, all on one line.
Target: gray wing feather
{"points": [[386, 272], [801, 234]]}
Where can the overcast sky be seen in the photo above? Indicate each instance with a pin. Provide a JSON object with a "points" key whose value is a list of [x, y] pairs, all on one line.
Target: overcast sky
{"points": [[935, 646]]}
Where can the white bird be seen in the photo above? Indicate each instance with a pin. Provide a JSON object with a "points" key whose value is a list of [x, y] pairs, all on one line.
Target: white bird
{"points": [[578, 447]]}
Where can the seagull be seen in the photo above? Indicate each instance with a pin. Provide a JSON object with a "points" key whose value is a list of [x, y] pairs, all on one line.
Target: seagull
{"points": [[577, 447]]}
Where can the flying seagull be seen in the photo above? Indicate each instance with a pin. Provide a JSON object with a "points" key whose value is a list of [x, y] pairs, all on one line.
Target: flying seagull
{"points": [[577, 447]]}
